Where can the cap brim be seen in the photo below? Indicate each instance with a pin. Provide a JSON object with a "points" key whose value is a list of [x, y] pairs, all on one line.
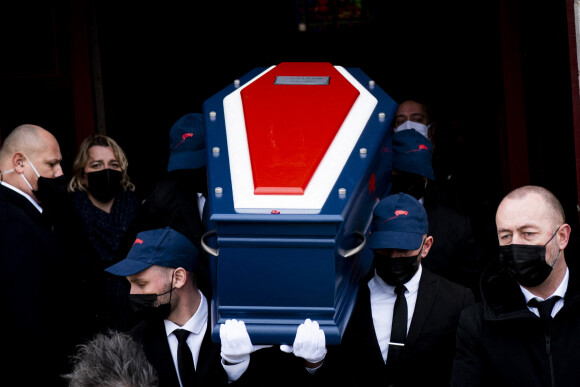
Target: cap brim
{"points": [[186, 160], [127, 267], [395, 240], [423, 171]]}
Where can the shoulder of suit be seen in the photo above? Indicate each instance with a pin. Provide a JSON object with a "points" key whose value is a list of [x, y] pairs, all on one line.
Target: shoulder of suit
{"points": [[433, 277], [141, 330]]}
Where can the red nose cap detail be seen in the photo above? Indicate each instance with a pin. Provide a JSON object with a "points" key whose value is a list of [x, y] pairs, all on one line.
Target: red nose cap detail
{"points": [[183, 138], [138, 241], [291, 124]]}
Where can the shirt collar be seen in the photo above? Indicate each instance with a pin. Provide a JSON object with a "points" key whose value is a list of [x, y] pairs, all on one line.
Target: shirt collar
{"points": [[27, 196], [376, 284], [560, 291], [195, 323]]}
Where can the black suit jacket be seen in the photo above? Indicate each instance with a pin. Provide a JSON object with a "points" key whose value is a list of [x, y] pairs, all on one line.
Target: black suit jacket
{"points": [[209, 371], [426, 359], [456, 253], [35, 292]]}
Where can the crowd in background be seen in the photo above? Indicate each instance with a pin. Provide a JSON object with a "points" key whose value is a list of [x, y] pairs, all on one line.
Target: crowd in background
{"points": [[99, 286]]}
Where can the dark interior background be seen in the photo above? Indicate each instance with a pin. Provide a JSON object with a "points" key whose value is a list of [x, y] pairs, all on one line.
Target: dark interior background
{"points": [[162, 62], [159, 61]]}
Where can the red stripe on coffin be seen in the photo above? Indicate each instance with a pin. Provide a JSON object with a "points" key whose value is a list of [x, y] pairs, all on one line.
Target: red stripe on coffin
{"points": [[290, 126]]}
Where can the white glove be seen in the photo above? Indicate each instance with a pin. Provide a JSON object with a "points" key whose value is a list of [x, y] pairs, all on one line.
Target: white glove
{"points": [[309, 344], [236, 345]]}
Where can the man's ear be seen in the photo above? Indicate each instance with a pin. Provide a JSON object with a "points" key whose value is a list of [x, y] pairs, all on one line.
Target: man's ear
{"points": [[431, 131], [427, 246], [18, 162], [179, 277], [563, 236]]}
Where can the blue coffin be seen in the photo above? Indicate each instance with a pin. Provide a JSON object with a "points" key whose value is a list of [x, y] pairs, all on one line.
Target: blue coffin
{"points": [[279, 255]]}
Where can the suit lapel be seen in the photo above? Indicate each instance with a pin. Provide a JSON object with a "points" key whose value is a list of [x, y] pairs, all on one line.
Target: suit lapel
{"points": [[364, 329], [207, 355], [22, 203], [159, 354], [425, 297]]}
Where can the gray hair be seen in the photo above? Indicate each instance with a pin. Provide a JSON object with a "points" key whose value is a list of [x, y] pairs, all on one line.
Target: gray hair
{"points": [[113, 359]]}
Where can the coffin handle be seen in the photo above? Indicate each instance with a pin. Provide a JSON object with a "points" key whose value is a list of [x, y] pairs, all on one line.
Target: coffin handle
{"points": [[357, 249], [209, 250]]}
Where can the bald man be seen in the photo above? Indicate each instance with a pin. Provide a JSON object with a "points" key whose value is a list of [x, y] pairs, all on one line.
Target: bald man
{"points": [[526, 331], [36, 293], [29, 154]]}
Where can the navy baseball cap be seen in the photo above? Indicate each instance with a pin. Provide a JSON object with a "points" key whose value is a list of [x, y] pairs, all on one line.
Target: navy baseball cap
{"points": [[412, 153], [399, 222], [187, 143], [162, 247]]}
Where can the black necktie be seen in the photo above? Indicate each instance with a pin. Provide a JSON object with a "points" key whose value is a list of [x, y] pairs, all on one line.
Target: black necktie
{"points": [[544, 307], [399, 327], [184, 358]]}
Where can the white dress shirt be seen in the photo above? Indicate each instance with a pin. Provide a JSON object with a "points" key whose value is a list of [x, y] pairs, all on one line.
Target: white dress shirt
{"points": [[197, 325], [560, 291], [383, 298]]}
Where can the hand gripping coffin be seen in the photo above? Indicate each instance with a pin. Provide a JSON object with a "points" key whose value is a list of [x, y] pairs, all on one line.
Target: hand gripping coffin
{"points": [[298, 155]]}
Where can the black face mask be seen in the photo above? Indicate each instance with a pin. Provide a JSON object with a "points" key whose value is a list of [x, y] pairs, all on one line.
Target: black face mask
{"points": [[105, 184], [51, 190], [143, 305], [396, 271], [411, 184], [526, 264]]}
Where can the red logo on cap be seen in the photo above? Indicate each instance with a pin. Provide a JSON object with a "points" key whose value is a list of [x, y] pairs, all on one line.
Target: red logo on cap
{"points": [[183, 138], [139, 241], [420, 148], [397, 213]]}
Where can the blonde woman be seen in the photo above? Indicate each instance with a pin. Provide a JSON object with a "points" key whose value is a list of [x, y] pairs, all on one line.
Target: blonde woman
{"points": [[104, 199], [100, 170]]}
